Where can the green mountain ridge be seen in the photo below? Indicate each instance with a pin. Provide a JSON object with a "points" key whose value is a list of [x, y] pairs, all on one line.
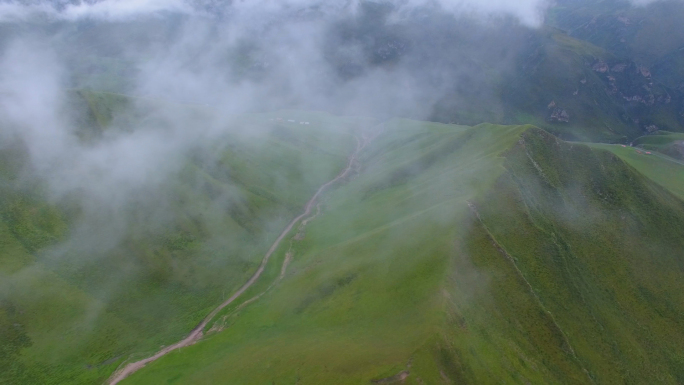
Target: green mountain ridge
{"points": [[550, 267], [541, 247], [455, 254]]}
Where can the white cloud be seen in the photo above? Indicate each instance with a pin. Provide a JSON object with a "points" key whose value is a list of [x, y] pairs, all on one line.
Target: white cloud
{"points": [[121, 9], [643, 3], [31, 100], [108, 9], [530, 12]]}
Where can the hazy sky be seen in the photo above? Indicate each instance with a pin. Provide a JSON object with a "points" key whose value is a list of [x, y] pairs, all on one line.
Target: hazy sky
{"points": [[528, 11]]}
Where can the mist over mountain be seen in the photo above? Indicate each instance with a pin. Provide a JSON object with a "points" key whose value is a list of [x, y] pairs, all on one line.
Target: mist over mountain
{"points": [[347, 191]]}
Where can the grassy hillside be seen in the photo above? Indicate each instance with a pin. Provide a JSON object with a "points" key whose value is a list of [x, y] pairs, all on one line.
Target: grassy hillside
{"points": [[662, 169], [651, 35], [465, 255], [72, 308], [668, 143], [455, 254], [580, 91], [597, 242]]}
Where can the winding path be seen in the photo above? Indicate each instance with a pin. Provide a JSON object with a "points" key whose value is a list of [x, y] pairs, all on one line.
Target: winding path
{"points": [[196, 333]]}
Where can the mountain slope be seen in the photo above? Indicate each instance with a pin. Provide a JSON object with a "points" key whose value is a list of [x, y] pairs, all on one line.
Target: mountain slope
{"points": [[466, 255], [456, 254], [605, 260], [79, 302]]}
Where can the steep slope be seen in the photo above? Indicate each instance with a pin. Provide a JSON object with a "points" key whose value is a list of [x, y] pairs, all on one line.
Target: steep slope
{"points": [[583, 92], [465, 255], [456, 254], [600, 247], [650, 35]]}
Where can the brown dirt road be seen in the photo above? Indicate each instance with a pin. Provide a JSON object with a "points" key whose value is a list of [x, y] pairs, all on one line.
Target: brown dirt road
{"points": [[196, 333]]}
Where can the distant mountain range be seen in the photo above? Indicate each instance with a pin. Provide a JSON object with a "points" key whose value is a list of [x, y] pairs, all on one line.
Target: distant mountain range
{"points": [[602, 71]]}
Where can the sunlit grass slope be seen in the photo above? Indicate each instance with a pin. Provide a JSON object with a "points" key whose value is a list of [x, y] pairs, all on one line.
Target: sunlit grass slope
{"points": [[668, 143], [458, 255], [72, 314], [662, 169]]}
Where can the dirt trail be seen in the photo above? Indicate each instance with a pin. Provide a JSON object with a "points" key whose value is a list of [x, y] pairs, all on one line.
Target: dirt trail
{"points": [[196, 333]]}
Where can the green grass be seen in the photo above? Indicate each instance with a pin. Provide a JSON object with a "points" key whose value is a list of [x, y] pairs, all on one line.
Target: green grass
{"points": [[85, 311], [662, 169], [327, 321], [667, 143], [660, 138], [563, 274], [486, 254], [605, 261]]}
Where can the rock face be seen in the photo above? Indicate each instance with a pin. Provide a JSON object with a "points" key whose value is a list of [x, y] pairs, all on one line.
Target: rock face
{"points": [[651, 128], [612, 85], [619, 68], [559, 115], [624, 20], [601, 67], [630, 82], [635, 98], [645, 72]]}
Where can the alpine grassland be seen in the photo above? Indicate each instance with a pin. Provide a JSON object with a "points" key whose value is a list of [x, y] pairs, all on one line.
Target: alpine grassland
{"points": [[72, 315], [483, 254], [662, 169], [446, 254], [314, 192], [668, 143]]}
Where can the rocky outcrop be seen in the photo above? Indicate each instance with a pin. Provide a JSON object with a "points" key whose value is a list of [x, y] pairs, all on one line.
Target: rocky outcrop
{"points": [[559, 115], [667, 99], [601, 67], [612, 85], [651, 128], [624, 20], [631, 82], [644, 71], [619, 68]]}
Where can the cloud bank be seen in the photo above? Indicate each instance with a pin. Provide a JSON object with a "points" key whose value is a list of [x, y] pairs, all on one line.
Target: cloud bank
{"points": [[381, 59], [530, 12]]}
